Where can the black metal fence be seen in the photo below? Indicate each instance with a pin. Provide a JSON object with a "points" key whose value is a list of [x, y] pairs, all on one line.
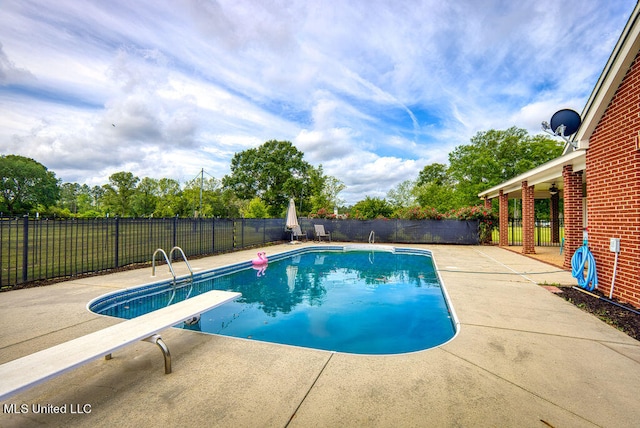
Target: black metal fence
{"points": [[544, 235], [32, 250], [39, 249]]}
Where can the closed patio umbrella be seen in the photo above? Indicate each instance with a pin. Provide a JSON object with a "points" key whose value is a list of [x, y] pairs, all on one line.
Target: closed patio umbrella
{"points": [[292, 271], [292, 218]]}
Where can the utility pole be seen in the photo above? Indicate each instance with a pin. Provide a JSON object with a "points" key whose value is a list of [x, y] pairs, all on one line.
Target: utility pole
{"points": [[201, 186]]}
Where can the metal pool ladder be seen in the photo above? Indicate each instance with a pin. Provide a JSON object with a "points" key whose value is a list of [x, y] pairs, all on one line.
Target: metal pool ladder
{"points": [[184, 257], [372, 237], [168, 260], [173, 273]]}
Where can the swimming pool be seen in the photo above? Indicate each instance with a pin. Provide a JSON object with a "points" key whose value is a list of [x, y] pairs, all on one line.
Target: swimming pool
{"points": [[357, 299]]}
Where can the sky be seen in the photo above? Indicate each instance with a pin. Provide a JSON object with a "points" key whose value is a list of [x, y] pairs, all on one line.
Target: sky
{"points": [[371, 90]]}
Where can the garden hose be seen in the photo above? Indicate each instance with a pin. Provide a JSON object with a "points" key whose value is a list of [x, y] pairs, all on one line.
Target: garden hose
{"points": [[581, 257]]}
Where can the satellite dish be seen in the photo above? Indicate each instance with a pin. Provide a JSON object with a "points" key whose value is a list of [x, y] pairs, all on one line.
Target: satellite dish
{"points": [[567, 118]]}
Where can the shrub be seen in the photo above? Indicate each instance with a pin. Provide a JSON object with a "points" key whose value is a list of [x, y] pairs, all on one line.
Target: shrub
{"points": [[488, 220], [325, 213]]}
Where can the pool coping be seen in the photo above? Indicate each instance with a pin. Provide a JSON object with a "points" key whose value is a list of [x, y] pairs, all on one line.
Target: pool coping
{"points": [[160, 286]]}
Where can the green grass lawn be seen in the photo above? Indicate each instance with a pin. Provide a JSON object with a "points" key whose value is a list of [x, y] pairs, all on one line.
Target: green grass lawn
{"points": [[62, 248], [542, 235]]}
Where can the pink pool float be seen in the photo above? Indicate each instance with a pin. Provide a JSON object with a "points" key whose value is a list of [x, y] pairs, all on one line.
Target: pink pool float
{"points": [[260, 260]]}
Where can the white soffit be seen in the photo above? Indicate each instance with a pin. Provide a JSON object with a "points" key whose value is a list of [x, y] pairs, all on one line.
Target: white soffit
{"points": [[548, 172]]}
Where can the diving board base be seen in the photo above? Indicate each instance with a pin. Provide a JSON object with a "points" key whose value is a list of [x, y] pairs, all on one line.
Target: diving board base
{"points": [[28, 371]]}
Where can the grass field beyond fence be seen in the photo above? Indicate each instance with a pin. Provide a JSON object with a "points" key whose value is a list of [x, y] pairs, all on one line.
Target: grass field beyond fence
{"points": [[542, 234], [33, 250]]}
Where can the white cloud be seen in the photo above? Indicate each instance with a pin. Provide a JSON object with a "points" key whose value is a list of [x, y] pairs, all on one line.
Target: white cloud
{"points": [[10, 73], [365, 173], [324, 145], [372, 90]]}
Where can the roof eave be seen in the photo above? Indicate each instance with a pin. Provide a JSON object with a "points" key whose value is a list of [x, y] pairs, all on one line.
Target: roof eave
{"points": [[546, 172]]}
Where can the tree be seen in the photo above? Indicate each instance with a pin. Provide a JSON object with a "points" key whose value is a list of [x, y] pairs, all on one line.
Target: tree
{"points": [[324, 190], [435, 173], [86, 199], [79, 201], [146, 197], [25, 184], [274, 172], [402, 195], [119, 193], [229, 205], [208, 199], [371, 208], [435, 188], [69, 193], [312, 198], [96, 195], [495, 156], [170, 201], [441, 197], [331, 190], [255, 209]]}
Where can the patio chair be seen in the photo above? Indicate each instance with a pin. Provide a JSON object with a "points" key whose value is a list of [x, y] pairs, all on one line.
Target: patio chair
{"points": [[321, 233], [297, 233]]}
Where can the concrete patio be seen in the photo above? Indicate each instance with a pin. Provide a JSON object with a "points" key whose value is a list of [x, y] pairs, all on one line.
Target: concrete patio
{"points": [[523, 357]]}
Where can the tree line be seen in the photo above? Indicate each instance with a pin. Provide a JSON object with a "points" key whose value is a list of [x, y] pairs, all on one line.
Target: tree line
{"points": [[263, 179]]}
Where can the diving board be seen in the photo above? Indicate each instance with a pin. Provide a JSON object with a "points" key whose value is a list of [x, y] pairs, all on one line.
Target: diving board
{"points": [[25, 372]]}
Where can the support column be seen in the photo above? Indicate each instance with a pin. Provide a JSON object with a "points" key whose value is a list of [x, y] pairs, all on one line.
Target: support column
{"points": [[504, 219], [528, 219], [487, 203], [572, 212], [555, 218]]}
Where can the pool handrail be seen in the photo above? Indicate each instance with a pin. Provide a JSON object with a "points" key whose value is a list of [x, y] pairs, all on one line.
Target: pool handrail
{"points": [[153, 264], [184, 257]]}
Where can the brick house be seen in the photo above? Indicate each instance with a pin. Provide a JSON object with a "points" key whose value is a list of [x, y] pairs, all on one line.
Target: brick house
{"points": [[599, 179]]}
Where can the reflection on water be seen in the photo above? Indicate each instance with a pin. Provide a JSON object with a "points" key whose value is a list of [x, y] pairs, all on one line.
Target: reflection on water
{"points": [[260, 270], [284, 284], [326, 300]]}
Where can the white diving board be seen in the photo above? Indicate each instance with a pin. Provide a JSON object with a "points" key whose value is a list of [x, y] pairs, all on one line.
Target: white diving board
{"points": [[25, 372]]}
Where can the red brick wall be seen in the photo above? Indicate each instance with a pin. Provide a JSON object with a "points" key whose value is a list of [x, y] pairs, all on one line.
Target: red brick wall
{"points": [[573, 223], [528, 219], [613, 190], [504, 219]]}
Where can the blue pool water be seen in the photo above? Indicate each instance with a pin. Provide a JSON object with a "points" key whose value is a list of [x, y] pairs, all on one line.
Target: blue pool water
{"points": [[363, 302]]}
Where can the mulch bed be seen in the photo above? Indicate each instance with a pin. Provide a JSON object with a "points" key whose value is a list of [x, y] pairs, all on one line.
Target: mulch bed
{"points": [[622, 319]]}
